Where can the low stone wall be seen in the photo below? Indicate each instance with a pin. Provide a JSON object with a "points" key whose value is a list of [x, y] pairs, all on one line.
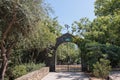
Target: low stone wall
{"points": [[35, 75]]}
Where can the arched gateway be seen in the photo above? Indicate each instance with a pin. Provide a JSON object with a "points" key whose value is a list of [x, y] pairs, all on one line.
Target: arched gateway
{"points": [[62, 39]]}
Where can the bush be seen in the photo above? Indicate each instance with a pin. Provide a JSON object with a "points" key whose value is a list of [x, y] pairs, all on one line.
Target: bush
{"points": [[102, 68], [32, 66], [19, 70]]}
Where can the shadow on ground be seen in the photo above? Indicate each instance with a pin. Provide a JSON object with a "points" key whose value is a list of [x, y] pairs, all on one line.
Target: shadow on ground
{"points": [[72, 76]]}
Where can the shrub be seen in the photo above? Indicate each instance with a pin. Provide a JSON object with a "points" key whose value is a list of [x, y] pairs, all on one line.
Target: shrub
{"points": [[32, 66], [102, 68], [19, 70]]}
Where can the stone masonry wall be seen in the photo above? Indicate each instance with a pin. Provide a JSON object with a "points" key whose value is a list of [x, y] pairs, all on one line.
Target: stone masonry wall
{"points": [[35, 75]]}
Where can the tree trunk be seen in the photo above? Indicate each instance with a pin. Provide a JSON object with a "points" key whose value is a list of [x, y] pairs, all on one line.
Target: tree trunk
{"points": [[5, 52], [4, 61], [3, 68]]}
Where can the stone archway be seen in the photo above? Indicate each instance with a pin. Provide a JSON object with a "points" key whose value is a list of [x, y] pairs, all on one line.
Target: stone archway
{"points": [[62, 39]]}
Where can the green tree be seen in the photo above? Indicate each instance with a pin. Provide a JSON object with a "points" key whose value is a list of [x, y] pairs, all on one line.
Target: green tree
{"points": [[107, 7], [39, 45], [17, 19], [101, 35]]}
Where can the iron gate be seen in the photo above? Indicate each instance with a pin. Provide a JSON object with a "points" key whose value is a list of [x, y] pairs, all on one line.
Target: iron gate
{"points": [[68, 68]]}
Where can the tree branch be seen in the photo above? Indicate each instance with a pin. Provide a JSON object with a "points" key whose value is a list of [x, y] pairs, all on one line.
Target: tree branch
{"points": [[2, 48], [9, 27], [10, 48]]}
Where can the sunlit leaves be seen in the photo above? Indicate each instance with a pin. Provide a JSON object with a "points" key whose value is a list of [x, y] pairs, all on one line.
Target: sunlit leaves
{"points": [[107, 7]]}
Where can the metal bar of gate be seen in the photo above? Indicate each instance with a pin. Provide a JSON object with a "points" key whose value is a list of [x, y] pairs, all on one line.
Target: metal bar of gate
{"points": [[68, 68]]}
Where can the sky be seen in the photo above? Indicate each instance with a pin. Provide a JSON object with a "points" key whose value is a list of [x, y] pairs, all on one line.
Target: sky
{"points": [[69, 11]]}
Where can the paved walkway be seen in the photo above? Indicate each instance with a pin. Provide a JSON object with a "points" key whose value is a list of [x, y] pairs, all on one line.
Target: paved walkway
{"points": [[115, 75], [66, 76]]}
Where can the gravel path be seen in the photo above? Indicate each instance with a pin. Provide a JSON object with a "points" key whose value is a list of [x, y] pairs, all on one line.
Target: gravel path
{"points": [[66, 76]]}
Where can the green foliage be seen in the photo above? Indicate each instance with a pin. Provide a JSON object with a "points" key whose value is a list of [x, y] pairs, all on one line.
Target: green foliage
{"points": [[102, 33], [94, 53], [25, 22], [107, 7], [80, 27], [32, 66], [109, 18], [31, 49], [113, 54], [68, 52], [102, 68], [22, 14], [19, 70], [18, 21]]}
